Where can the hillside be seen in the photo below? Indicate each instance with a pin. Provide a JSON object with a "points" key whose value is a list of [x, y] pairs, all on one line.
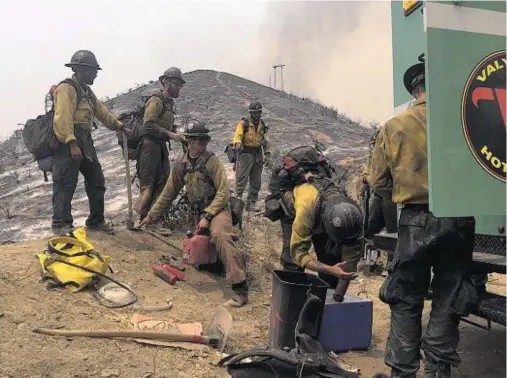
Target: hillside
{"points": [[218, 98]]}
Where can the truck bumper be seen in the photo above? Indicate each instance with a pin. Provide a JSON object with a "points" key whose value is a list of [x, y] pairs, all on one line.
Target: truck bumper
{"points": [[492, 307]]}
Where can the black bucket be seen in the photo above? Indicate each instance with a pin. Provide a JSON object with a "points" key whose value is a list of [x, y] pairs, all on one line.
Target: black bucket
{"points": [[289, 294]]}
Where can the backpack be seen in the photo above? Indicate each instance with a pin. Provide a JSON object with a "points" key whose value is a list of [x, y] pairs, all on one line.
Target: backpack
{"points": [[38, 134], [296, 163], [236, 204], [134, 121]]}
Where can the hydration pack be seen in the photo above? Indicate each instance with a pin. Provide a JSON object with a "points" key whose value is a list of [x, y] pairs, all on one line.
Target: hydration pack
{"points": [[133, 121], [38, 134]]}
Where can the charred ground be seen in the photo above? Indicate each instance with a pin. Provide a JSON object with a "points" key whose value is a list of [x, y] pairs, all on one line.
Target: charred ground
{"points": [[218, 98]]}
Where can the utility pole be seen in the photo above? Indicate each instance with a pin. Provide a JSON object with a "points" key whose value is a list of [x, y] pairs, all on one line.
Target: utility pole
{"points": [[281, 72], [274, 69]]}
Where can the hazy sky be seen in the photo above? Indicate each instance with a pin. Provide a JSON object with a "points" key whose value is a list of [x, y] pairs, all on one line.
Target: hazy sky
{"points": [[332, 50]]}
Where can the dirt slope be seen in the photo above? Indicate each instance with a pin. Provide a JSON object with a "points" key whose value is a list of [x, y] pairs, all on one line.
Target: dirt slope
{"points": [[218, 98], [27, 304]]}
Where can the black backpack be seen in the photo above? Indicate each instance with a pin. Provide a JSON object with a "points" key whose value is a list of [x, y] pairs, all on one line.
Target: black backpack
{"points": [[38, 134], [133, 121], [284, 178], [246, 125]]}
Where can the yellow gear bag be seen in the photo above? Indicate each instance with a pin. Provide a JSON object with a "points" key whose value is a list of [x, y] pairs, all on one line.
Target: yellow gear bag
{"points": [[76, 250]]}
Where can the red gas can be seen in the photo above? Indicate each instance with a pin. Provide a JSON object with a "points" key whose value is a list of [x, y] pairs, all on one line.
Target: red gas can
{"points": [[198, 250]]}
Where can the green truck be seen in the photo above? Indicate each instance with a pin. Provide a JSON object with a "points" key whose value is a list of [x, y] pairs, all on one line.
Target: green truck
{"points": [[463, 43]]}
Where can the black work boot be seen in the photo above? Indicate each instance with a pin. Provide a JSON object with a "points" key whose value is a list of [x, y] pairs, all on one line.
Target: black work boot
{"points": [[250, 206], [240, 297], [102, 227], [437, 371], [62, 230], [399, 374]]}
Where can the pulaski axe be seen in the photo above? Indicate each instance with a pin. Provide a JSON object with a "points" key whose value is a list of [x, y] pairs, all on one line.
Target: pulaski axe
{"points": [[130, 215], [216, 336]]}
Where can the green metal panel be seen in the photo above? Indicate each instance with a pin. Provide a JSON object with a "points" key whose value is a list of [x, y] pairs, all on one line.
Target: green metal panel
{"points": [[459, 184], [408, 42], [498, 6], [488, 225], [452, 166]]}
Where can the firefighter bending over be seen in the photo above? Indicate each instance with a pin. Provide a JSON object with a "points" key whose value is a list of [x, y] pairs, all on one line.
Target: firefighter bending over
{"points": [[325, 217], [205, 180]]}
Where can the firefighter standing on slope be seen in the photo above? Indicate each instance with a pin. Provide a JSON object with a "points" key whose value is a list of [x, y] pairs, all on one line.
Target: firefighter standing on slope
{"points": [[203, 175], [250, 141], [325, 217], [72, 124], [400, 169], [153, 155]]}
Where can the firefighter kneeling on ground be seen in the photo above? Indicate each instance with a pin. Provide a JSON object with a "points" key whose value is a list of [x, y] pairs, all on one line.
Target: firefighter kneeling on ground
{"points": [[204, 177], [325, 217]]}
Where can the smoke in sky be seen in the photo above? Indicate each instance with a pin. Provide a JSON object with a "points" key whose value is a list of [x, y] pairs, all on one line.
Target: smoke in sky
{"points": [[338, 52]]}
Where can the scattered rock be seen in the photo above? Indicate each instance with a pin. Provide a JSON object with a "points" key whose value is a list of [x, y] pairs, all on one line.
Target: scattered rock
{"points": [[106, 373]]}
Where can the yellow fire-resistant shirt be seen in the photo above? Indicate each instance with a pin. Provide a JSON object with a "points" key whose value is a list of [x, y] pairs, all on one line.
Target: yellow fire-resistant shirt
{"points": [[158, 120], [305, 201], [400, 161], [255, 137], [176, 182], [69, 114]]}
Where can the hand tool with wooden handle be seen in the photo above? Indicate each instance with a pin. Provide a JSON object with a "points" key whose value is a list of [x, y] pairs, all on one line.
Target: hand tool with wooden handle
{"points": [[217, 334], [130, 216]]}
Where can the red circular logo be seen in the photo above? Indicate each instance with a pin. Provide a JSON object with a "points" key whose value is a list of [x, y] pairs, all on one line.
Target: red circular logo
{"points": [[483, 114]]}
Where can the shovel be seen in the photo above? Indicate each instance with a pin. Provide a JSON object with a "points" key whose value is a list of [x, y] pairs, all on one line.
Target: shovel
{"points": [[217, 334], [130, 216]]}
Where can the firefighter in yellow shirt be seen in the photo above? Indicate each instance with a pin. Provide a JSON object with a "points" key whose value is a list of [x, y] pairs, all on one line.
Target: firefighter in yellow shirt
{"points": [[75, 105], [325, 217], [250, 143], [399, 169], [203, 175]]}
